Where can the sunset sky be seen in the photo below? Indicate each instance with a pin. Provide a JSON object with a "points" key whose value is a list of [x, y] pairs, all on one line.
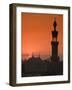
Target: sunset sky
{"points": [[37, 36]]}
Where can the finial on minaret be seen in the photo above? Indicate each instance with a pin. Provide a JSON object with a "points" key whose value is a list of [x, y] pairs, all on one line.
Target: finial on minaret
{"points": [[54, 24]]}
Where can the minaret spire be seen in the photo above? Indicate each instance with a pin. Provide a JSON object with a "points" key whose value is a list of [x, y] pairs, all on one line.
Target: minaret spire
{"points": [[55, 24], [54, 42]]}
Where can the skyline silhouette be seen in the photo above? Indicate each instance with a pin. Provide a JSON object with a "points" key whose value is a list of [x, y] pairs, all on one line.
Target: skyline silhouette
{"points": [[35, 66]]}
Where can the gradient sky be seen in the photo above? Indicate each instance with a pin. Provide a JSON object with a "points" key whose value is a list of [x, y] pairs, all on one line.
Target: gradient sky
{"points": [[37, 36]]}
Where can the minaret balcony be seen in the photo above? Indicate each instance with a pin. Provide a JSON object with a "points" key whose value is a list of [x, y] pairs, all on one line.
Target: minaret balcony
{"points": [[54, 33]]}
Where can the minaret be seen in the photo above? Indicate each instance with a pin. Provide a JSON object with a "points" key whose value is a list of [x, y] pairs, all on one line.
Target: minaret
{"points": [[54, 43]]}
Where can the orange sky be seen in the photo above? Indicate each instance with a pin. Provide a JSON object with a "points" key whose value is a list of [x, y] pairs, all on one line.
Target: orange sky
{"points": [[36, 33]]}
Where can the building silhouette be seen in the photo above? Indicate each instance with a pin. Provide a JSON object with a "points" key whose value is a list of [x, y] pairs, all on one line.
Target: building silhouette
{"points": [[54, 43]]}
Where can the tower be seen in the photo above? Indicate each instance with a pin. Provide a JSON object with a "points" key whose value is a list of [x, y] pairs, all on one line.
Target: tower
{"points": [[54, 43]]}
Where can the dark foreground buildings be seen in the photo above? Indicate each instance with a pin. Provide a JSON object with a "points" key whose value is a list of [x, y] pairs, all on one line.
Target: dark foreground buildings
{"points": [[35, 66]]}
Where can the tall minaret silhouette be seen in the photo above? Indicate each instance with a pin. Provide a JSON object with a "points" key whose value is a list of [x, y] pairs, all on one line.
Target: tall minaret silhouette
{"points": [[54, 43]]}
